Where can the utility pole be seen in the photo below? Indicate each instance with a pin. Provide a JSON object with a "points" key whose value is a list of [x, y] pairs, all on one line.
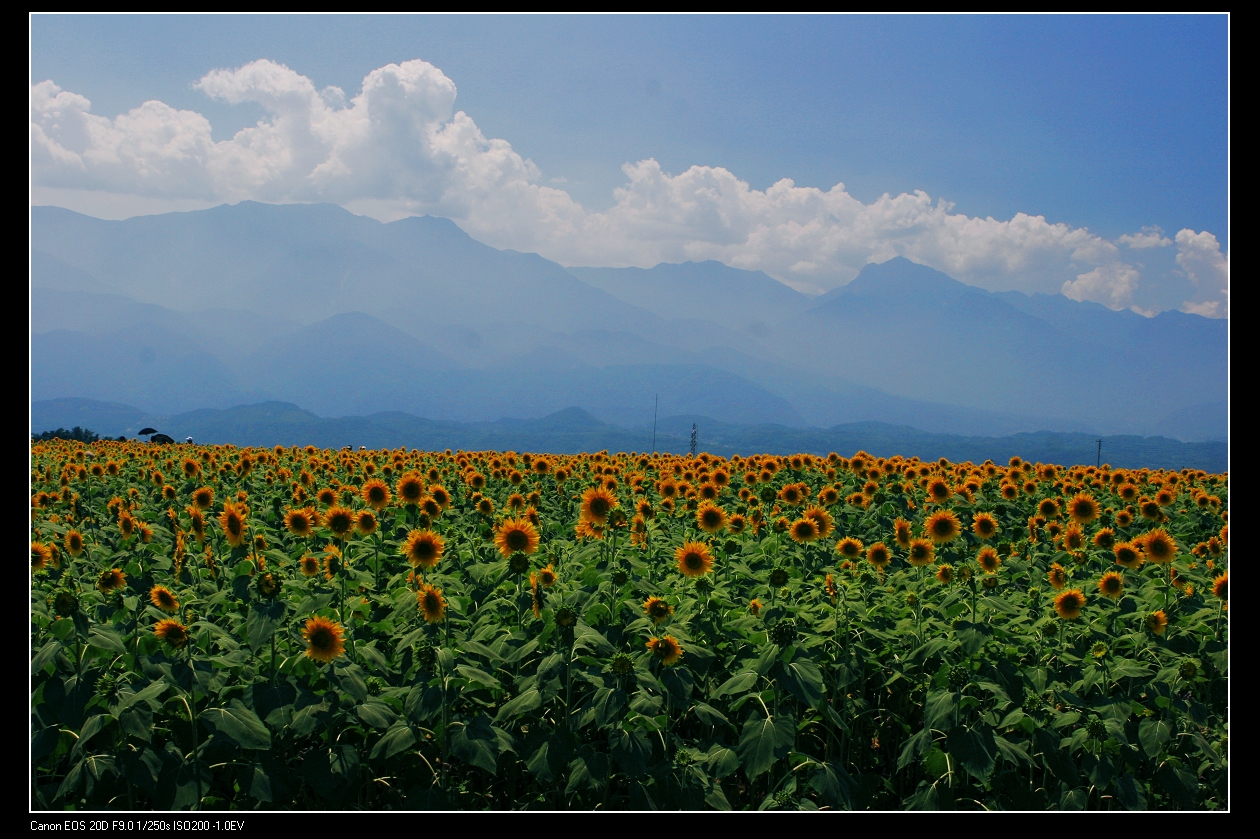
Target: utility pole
{"points": [[693, 439], [655, 411], [1099, 463]]}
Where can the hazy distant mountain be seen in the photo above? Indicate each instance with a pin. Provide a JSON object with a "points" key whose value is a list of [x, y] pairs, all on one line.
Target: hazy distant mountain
{"points": [[344, 315], [750, 301], [574, 430], [912, 330]]}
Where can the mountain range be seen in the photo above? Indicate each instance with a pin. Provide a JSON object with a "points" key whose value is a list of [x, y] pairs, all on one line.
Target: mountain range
{"points": [[346, 316]]}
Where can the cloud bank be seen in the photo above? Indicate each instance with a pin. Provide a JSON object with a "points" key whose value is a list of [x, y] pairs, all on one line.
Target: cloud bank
{"points": [[400, 148]]}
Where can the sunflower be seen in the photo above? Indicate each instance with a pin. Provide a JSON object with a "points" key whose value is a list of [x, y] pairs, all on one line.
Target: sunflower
{"points": [[710, 517], [984, 525], [755, 606], [829, 586], [1157, 622], [111, 580], [1111, 585], [309, 566], [41, 556], [902, 533], [1123, 519], [1083, 508], [410, 488], [365, 522], [1057, 576], [737, 524], [302, 522], [666, 648], [232, 520], [878, 555], [1220, 587], [942, 526], [588, 530], [803, 530], [375, 494], [939, 491], [327, 496], [203, 498], [127, 525], [821, 518], [516, 536], [850, 547], [657, 609], [791, 494], [548, 577], [694, 559], [989, 559], [332, 562], [535, 597], [945, 574], [920, 552], [423, 548], [1069, 604], [340, 520], [1128, 554], [1105, 538], [73, 542], [431, 603], [597, 503], [1159, 546], [324, 639], [778, 578], [162, 597], [1048, 508], [172, 632], [1073, 538]]}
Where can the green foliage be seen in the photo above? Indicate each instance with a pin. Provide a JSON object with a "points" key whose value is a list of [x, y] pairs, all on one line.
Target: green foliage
{"points": [[845, 686], [83, 435]]}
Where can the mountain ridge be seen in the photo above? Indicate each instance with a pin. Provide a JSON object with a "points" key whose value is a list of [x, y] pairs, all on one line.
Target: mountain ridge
{"points": [[497, 331]]}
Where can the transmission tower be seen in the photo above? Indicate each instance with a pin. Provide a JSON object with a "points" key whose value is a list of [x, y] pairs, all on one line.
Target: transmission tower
{"points": [[693, 439]]}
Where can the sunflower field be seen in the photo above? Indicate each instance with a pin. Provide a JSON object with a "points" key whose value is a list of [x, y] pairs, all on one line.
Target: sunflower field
{"points": [[215, 628]]}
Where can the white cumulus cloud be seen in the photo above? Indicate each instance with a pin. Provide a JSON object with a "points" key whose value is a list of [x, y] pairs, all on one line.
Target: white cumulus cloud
{"points": [[1111, 284], [400, 148], [1200, 256], [1149, 237]]}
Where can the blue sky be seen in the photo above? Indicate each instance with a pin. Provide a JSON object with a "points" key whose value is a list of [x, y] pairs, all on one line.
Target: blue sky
{"points": [[1109, 123]]}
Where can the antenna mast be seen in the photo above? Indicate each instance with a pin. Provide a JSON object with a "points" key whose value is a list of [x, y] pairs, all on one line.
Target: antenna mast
{"points": [[693, 439], [655, 410]]}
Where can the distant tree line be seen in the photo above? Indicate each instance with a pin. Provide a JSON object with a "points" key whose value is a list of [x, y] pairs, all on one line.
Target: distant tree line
{"points": [[83, 435]]}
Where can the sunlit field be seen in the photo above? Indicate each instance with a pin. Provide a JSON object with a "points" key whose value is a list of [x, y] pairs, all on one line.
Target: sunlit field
{"points": [[222, 628]]}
